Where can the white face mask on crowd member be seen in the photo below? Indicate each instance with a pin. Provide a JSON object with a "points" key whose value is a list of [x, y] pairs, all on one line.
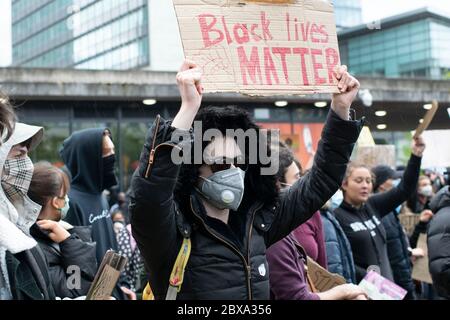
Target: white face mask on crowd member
{"points": [[426, 191]]}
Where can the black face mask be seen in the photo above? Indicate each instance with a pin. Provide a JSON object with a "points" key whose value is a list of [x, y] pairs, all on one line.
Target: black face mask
{"points": [[109, 178]]}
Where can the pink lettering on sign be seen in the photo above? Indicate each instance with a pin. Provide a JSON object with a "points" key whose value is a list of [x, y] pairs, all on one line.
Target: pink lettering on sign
{"points": [[251, 64], [214, 33], [261, 48]]}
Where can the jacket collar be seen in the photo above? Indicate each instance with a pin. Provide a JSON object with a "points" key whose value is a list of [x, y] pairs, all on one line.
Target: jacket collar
{"points": [[350, 208], [12, 238]]}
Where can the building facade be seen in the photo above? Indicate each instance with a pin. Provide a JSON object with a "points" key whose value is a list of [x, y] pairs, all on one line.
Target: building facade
{"points": [[348, 13], [414, 44], [110, 34], [81, 34]]}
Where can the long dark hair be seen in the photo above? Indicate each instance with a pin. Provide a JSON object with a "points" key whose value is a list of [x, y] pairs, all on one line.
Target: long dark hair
{"points": [[257, 186]]}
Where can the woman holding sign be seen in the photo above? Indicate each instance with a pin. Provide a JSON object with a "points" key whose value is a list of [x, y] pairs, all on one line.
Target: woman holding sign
{"points": [[223, 210], [360, 213]]}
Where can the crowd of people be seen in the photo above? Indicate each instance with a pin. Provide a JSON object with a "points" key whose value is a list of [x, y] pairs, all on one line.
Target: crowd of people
{"points": [[218, 228]]}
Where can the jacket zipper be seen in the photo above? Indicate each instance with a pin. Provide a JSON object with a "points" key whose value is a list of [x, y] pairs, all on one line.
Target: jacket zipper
{"points": [[248, 269], [151, 157], [153, 150]]}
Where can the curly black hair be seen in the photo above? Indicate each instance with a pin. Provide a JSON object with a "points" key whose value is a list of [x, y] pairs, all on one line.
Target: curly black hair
{"points": [[286, 157], [257, 187]]}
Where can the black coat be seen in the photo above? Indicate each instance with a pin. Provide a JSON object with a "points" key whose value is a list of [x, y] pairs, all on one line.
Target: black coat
{"points": [[439, 243], [397, 245], [363, 225], [28, 275], [60, 257], [227, 261]]}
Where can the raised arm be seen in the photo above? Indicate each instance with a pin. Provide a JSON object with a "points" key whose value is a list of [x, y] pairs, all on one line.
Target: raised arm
{"points": [[309, 193], [384, 203], [152, 206]]}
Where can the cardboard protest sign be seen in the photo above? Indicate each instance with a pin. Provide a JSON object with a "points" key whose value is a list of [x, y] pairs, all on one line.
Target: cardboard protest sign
{"points": [[365, 138], [380, 288], [321, 278], [261, 47], [107, 276], [420, 270], [372, 156], [409, 222], [427, 119]]}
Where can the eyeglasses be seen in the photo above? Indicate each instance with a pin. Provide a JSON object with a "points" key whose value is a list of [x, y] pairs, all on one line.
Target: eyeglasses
{"points": [[224, 163]]}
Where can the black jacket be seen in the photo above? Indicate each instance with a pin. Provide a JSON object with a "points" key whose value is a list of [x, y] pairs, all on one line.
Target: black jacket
{"points": [[227, 261], [399, 256], [439, 242], [28, 275], [82, 155], [60, 257], [363, 226]]}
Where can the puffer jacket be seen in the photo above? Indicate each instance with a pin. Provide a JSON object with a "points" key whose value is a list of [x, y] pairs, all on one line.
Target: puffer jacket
{"points": [[74, 251], [439, 242], [220, 268], [337, 246]]}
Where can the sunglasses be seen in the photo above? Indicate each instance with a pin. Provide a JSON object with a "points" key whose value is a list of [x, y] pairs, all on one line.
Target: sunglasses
{"points": [[224, 163]]}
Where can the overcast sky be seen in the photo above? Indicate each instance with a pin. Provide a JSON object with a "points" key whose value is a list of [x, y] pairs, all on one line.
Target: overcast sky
{"points": [[372, 10]]}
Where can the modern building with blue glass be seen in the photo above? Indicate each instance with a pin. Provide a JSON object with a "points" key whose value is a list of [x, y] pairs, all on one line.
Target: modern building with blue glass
{"points": [[83, 34], [348, 13], [110, 34], [413, 44]]}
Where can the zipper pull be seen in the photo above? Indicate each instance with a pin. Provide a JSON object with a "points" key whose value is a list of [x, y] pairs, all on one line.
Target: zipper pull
{"points": [[150, 162]]}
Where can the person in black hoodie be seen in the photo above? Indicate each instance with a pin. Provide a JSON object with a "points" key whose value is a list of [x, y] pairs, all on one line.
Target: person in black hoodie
{"points": [[89, 155], [360, 213], [439, 242], [64, 246], [231, 211]]}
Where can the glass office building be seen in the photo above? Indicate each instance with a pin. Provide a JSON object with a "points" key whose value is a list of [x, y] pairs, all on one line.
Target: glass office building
{"points": [[348, 13], [84, 34], [414, 44]]}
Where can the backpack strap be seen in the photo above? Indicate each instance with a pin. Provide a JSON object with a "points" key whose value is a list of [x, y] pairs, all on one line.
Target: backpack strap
{"points": [[177, 275]]}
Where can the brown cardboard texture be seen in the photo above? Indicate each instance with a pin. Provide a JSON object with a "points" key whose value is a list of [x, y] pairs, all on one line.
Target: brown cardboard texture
{"points": [[261, 47], [409, 222], [420, 270], [427, 119], [322, 279], [372, 156]]}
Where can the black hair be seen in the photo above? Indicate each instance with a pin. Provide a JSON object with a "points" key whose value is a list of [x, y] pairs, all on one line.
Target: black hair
{"points": [[257, 186], [286, 157]]}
